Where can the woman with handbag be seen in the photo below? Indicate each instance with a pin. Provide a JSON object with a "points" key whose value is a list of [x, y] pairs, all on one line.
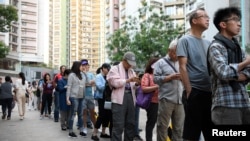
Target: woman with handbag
{"points": [[21, 86], [104, 116], [148, 86]]}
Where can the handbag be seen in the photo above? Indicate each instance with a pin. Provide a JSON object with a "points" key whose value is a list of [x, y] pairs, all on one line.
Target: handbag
{"points": [[143, 100], [107, 105]]}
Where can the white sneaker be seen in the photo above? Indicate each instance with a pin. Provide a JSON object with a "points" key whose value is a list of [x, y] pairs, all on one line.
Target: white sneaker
{"points": [[41, 117], [85, 130]]}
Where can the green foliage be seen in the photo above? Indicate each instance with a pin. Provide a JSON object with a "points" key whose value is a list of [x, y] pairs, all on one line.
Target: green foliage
{"points": [[8, 14], [4, 50], [146, 38]]}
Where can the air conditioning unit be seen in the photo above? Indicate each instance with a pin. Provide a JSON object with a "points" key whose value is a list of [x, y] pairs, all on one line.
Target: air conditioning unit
{"points": [[116, 19], [116, 6]]}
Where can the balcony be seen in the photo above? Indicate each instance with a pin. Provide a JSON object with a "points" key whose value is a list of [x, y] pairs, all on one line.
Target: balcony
{"points": [[107, 24]]}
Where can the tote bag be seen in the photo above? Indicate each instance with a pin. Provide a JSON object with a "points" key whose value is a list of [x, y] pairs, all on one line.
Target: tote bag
{"points": [[143, 100]]}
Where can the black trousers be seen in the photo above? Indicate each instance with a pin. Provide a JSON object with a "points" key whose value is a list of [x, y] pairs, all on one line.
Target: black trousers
{"points": [[7, 104], [46, 98], [104, 116]]}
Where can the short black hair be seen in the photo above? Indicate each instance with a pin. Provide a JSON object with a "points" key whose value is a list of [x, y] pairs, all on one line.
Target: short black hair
{"points": [[225, 13], [7, 79]]}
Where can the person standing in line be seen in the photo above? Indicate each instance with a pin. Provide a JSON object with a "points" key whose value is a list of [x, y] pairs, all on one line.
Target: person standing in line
{"points": [[56, 93], [104, 116], [192, 52], [170, 95], [61, 87], [123, 80], [230, 72], [148, 86], [88, 103], [39, 93], [75, 96], [35, 98], [47, 95], [31, 97], [137, 136], [6, 97], [21, 86]]}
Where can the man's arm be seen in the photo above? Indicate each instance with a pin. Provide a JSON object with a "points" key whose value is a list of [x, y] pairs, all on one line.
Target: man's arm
{"points": [[184, 74]]}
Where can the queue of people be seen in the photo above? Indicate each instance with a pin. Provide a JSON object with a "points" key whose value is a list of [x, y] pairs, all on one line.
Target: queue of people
{"points": [[193, 96]]}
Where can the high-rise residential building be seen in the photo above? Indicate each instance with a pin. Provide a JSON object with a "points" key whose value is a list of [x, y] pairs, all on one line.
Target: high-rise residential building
{"points": [[23, 37], [57, 50], [85, 32], [176, 11]]}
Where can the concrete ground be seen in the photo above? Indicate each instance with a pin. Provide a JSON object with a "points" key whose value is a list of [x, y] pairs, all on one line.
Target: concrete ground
{"points": [[34, 129]]}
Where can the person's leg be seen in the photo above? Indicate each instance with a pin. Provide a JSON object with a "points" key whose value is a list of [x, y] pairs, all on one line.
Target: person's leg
{"points": [[4, 106], [99, 119], [129, 129], [137, 115], [9, 106], [63, 119], [73, 110], [151, 120], [35, 102], [23, 110], [43, 104], [56, 103], [49, 101], [193, 116], [165, 110], [118, 121], [80, 113], [19, 104], [177, 122]]}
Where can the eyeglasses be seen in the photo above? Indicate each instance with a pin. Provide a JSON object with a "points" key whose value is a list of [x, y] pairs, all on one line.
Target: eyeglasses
{"points": [[236, 19], [203, 16]]}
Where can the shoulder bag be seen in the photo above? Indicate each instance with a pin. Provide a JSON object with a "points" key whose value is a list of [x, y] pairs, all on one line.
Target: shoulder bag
{"points": [[143, 100]]}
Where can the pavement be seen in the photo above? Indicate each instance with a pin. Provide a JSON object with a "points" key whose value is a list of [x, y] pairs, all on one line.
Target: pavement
{"points": [[34, 129]]}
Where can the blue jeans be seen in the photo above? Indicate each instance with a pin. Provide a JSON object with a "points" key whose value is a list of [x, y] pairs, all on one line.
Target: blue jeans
{"points": [[56, 103], [75, 108]]}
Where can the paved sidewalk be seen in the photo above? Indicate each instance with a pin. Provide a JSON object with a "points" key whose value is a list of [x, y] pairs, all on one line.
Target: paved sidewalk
{"points": [[34, 129]]}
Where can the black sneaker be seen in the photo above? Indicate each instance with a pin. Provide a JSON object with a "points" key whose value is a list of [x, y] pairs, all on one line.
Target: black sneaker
{"points": [[72, 135], [64, 128], [95, 138], [137, 138], [4, 116], [89, 126], [104, 136], [83, 134]]}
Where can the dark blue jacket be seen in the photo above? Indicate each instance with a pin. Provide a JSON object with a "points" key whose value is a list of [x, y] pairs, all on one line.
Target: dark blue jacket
{"points": [[62, 94]]}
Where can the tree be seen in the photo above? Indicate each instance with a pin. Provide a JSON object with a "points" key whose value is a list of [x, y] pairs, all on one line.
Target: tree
{"points": [[4, 50], [146, 38], [8, 14]]}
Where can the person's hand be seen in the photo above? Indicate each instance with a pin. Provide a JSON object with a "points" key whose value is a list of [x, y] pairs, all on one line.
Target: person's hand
{"points": [[188, 91], [247, 60], [68, 102], [175, 76]]}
